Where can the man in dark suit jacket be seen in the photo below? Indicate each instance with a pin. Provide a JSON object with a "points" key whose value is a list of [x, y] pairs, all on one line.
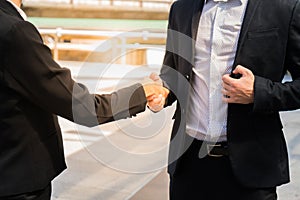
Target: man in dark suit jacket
{"points": [[250, 159], [34, 90]]}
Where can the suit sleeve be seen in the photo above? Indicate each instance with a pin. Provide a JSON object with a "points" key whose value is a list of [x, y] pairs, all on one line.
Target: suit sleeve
{"points": [[168, 70], [31, 72], [274, 96]]}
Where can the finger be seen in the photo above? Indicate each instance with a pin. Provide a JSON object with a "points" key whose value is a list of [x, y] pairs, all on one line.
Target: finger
{"points": [[162, 102], [154, 76], [156, 105], [227, 79], [224, 99], [152, 89], [157, 100], [160, 90], [166, 92], [225, 92], [241, 70], [226, 86], [151, 97], [153, 107], [227, 100]]}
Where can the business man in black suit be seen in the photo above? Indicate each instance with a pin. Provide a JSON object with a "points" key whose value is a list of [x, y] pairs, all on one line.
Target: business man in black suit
{"points": [[242, 50], [34, 90]]}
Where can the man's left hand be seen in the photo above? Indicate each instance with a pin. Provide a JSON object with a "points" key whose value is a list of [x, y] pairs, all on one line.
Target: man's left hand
{"points": [[240, 90]]}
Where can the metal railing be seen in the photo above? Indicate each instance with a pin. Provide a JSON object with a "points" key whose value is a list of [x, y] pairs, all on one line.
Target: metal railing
{"points": [[127, 3], [118, 40]]}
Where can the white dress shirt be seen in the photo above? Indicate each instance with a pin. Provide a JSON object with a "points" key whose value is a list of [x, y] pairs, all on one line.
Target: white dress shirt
{"points": [[216, 43], [21, 12]]}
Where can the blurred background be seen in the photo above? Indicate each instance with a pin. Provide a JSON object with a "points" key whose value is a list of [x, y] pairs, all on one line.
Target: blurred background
{"points": [[108, 44]]}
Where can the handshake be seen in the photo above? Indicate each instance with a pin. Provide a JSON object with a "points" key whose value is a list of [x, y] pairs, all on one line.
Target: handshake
{"points": [[155, 93]]}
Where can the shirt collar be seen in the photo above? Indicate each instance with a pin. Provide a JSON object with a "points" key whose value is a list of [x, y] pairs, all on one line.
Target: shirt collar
{"points": [[20, 11]]}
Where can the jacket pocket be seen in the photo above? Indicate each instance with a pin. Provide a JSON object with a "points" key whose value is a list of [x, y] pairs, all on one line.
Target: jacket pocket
{"points": [[273, 32]]}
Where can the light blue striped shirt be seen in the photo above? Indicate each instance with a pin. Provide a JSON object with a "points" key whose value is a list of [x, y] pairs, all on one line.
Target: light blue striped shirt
{"points": [[216, 43]]}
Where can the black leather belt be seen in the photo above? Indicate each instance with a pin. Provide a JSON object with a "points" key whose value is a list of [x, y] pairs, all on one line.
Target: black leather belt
{"points": [[217, 149]]}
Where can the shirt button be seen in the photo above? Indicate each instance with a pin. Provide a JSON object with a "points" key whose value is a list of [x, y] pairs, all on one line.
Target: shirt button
{"points": [[187, 77]]}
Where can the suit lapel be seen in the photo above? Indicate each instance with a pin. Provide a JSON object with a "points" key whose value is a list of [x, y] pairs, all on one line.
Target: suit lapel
{"points": [[197, 10], [250, 12]]}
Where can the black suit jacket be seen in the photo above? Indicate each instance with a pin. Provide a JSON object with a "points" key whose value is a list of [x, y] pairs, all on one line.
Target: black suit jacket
{"points": [[269, 45], [34, 90]]}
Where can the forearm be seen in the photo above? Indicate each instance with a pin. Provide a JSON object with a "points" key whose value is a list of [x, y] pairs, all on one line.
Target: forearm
{"points": [[275, 96]]}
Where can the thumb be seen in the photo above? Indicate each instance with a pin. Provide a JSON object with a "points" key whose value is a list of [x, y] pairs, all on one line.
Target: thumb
{"points": [[240, 70], [154, 76], [158, 99]]}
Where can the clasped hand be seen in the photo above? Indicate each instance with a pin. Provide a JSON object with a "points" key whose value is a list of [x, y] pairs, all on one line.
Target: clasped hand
{"points": [[240, 90], [155, 93]]}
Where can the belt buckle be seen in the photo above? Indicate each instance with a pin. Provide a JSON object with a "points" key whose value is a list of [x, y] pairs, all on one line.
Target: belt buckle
{"points": [[209, 147]]}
